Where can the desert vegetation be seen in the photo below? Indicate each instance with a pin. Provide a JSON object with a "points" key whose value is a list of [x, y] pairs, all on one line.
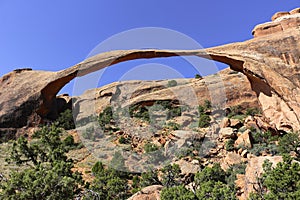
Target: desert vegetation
{"points": [[48, 173]]}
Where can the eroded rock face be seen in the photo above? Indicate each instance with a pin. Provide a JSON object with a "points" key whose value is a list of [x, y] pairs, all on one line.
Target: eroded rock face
{"points": [[271, 64], [191, 92], [254, 170], [21, 97], [281, 21]]}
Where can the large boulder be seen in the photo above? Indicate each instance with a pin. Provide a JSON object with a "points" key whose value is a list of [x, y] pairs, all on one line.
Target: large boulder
{"points": [[187, 167], [230, 159], [244, 140], [227, 133], [148, 193]]}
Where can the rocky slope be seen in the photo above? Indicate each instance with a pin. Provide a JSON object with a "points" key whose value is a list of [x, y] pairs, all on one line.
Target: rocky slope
{"points": [[224, 87]]}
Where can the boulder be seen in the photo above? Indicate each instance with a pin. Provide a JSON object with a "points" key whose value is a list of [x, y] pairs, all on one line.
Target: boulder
{"points": [[230, 159], [244, 153], [240, 184], [148, 193], [263, 125], [225, 123], [251, 123], [184, 121], [188, 167], [186, 138], [245, 140], [235, 123], [227, 133]]}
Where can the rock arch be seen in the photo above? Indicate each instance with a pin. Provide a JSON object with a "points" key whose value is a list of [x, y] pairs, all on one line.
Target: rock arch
{"points": [[271, 63]]}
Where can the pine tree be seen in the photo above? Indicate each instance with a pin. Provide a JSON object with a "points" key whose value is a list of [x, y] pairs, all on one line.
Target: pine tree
{"points": [[48, 173]]}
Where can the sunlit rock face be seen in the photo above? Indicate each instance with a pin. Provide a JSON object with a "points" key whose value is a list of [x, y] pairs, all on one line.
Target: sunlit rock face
{"points": [[281, 21], [270, 62]]}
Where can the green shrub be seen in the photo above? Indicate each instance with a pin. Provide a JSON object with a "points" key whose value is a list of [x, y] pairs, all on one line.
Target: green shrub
{"points": [[212, 190], [229, 145], [204, 121], [280, 182], [48, 173], [123, 140], [263, 142], [171, 175], [166, 104], [177, 193], [105, 117], [172, 125], [174, 112], [263, 137], [107, 184], [232, 172], [215, 173], [172, 83], [184, 152], [289, 142], [89, 134], [65, 120], [198, 76], [140, 112], [201, 109], [69, 141], [207, 105], [253, 111], [236, 111], [135, 181], [149, 178], [70, 144], [150, 147], [257, 149], [211, 183]]}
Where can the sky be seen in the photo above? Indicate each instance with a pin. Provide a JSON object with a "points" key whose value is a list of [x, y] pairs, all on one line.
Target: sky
{"points": [[54, 35]]}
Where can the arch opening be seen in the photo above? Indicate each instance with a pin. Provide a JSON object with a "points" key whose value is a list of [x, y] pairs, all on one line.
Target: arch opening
{"points": [[144, 69]]}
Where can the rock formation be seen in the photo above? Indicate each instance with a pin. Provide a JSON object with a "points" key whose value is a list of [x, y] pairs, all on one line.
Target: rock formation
{"points": [[270, 61], [147, 92], [281, 21], [248, 182], [148, 193]]}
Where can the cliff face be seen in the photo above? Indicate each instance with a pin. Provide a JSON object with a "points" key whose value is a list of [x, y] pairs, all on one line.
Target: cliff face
{"points": [[190, 92], [270, 62]]}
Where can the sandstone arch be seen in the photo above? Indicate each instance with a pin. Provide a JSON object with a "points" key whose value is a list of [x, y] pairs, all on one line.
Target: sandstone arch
{"points": [[271, 62]]}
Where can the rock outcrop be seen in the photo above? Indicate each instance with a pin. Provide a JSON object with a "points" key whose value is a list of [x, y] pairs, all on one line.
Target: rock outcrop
{"points": [[147, 92], [148, 193], [271, 64], [248, 182], [281, 21]]}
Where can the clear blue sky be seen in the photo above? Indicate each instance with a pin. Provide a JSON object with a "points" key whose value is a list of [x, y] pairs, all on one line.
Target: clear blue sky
{"points": [[53, 35]]}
